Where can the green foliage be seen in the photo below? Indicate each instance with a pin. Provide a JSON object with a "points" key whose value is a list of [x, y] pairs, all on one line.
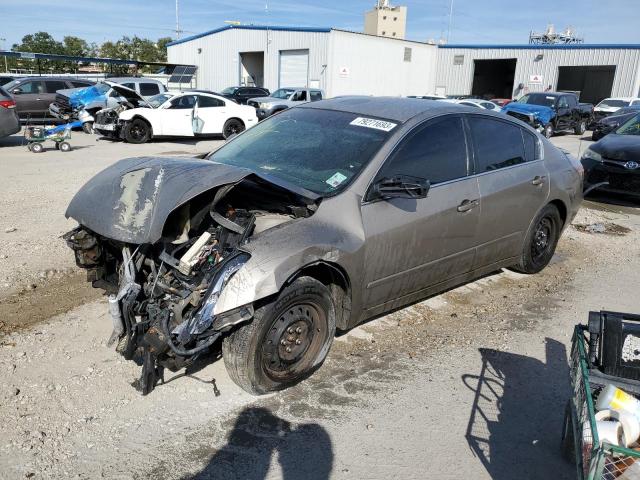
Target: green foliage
{"points": [[134, 48]]}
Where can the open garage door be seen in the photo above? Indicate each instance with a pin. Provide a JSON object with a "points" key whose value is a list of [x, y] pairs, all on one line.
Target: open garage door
{"points": [[252, 69], [294, 68], [594, 82], [493, 78]]}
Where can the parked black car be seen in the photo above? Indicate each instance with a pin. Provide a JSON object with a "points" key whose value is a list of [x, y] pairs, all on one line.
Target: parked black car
{"points": [[34, 94], [613, 163], [242, 94], [552, 112], [606, 125]]}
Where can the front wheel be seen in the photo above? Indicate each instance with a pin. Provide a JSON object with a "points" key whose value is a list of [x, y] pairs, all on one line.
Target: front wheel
{"points": [[541, 241], [137, 131], [233, 126], [548, 131], [287, 340], [87, 127], [581, 127]]}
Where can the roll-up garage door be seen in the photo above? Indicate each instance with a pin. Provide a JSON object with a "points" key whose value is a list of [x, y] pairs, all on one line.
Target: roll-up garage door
{"points": [[294, 68]]}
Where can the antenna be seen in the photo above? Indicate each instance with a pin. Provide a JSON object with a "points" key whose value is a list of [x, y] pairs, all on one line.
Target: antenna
{"points": [[450, 19], [178, 31]]}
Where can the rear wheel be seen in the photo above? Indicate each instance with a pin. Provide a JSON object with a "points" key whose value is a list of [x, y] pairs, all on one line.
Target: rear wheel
{"points": [[286, 341], [233, 126], [64, 146], [541, 241], [37, 147], [137, 131], [581, 127]]}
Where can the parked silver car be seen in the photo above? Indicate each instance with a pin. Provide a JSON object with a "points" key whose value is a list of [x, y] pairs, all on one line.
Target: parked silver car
{"points": [[284, 98], [315, 220], [9, 120]]}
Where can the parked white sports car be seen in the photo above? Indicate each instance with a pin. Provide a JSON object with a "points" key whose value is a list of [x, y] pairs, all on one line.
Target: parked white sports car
{"points": [[184, 114]]}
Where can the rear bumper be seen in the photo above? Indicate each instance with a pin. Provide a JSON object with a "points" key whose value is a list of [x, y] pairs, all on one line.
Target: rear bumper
{"points": [[618, 179]]}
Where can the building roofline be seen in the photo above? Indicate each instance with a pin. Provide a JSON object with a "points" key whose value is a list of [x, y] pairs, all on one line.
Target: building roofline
{"points": [[527, 46], [251, 27], [380, 36]]}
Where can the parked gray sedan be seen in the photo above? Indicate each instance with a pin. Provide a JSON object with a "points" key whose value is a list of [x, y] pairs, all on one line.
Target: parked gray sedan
{"points": [[9, 120], [314, 220]]}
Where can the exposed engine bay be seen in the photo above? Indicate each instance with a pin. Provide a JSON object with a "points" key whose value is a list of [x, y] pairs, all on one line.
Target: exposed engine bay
{"points": [[162, 294]]}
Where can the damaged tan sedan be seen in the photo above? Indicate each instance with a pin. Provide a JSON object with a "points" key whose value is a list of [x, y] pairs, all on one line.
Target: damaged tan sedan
{"points": [[317, 219]]}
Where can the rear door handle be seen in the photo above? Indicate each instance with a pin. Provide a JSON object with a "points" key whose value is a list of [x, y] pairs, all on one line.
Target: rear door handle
{"points": [[538, 180], [467, 205]]}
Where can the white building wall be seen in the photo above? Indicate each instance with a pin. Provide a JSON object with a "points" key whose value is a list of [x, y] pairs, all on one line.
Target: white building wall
{"points": [[219, 60], [458, 79], [362, 64]]}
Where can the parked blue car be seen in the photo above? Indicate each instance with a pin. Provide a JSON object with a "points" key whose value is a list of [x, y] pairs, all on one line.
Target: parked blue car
{"points": [[551, 112]]}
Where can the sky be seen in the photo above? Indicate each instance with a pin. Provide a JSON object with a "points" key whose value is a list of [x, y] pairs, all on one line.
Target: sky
{"points": [[473, 21]]}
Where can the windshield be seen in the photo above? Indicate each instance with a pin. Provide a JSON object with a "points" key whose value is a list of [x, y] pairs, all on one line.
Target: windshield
{"points": [[229, 91], [632, 127], [608, 102], [318, 150], [538, 99], [159, 99], [282, 93]]}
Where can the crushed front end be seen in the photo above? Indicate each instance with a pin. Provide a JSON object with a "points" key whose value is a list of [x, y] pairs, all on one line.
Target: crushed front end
{"points": [[162, 289]]}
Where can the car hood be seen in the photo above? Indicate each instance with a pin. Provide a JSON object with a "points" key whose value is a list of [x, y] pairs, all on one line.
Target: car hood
{"points": [[542, 113], [616, 119], [131, 200], [606, 109], [619, 147], [268, 99]]}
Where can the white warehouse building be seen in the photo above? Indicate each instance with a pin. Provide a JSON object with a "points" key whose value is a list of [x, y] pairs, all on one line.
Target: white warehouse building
{"points": [[338, 61], [349, 63]]}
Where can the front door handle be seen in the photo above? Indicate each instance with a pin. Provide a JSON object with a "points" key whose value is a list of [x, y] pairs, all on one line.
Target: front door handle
{"points": [[467, 205], [538, 180]]}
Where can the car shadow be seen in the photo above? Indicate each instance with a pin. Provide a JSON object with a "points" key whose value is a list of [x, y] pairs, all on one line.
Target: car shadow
{"points": [[602, 197], [12, 141], [303, 451], [517, 414]]}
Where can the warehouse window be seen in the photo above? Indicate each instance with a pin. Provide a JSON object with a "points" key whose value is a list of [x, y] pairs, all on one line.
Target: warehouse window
{"points": [[458, 59], [394, 34], [383, 32], [407, 54]]}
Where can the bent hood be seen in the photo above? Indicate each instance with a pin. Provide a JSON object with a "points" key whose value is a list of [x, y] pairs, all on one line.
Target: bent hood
{"points": [[542, 113], [81, 97], [131, 200], [619, 147]]}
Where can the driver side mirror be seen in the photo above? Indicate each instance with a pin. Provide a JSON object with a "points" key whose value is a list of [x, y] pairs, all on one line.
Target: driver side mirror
{"points": [[400, 186], [16, 91]]}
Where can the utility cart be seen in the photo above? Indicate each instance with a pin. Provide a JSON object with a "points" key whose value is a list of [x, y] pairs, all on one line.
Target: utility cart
{"points": [[36, 136], [604, 352]]}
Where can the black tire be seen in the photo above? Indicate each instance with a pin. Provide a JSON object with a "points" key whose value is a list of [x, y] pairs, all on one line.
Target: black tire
{"points": [[37, 147], [287, 340], [137, 131], [548, 130], [581, 127], [87, 127], [233, 126], [595, 137], [64, 146], [541, 241]]}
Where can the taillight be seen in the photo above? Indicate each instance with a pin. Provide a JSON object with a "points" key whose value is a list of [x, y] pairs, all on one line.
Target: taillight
{"points": [[7, 103]]}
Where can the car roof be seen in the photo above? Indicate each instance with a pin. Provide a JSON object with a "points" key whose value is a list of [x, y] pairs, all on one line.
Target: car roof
{"points": [[298, 88], [392, 108], [132, 79], [624, 99], [68, 79]]}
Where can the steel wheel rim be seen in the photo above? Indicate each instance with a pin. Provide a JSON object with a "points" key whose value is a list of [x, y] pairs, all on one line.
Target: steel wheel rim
{"points": [[294, 339], [542, 239]]}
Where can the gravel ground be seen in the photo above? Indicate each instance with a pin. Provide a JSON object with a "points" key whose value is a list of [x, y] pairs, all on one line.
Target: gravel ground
{"points": [[468, 384]]}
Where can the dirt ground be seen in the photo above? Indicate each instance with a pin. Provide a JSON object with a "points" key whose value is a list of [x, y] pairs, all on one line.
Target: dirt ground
{"points": [[468, 384]]}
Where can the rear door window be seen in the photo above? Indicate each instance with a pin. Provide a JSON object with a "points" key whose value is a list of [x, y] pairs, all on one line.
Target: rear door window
{"points": [[149, 89], [52, 86], [132, 86], [436, 151], [207, 102], [315, 96], [497, 144]]}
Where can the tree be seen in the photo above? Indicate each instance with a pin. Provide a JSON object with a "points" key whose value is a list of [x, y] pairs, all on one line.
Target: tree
{"points": [[40, 42], [161, 46], [76, 47]]}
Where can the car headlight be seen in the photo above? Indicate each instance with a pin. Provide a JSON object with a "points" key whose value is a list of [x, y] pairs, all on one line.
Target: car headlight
{"points": [[204, 316], [264, 105], [590, 154]]}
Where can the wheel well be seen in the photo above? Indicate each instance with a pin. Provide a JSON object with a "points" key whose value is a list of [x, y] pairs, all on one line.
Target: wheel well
{"points": [[336, 279], [138, 117], [235, 118], [562, 208]]}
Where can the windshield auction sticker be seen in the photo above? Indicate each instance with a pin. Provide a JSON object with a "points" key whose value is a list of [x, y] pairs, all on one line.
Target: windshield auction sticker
{"points": [[373, 123], [336, 179]]}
